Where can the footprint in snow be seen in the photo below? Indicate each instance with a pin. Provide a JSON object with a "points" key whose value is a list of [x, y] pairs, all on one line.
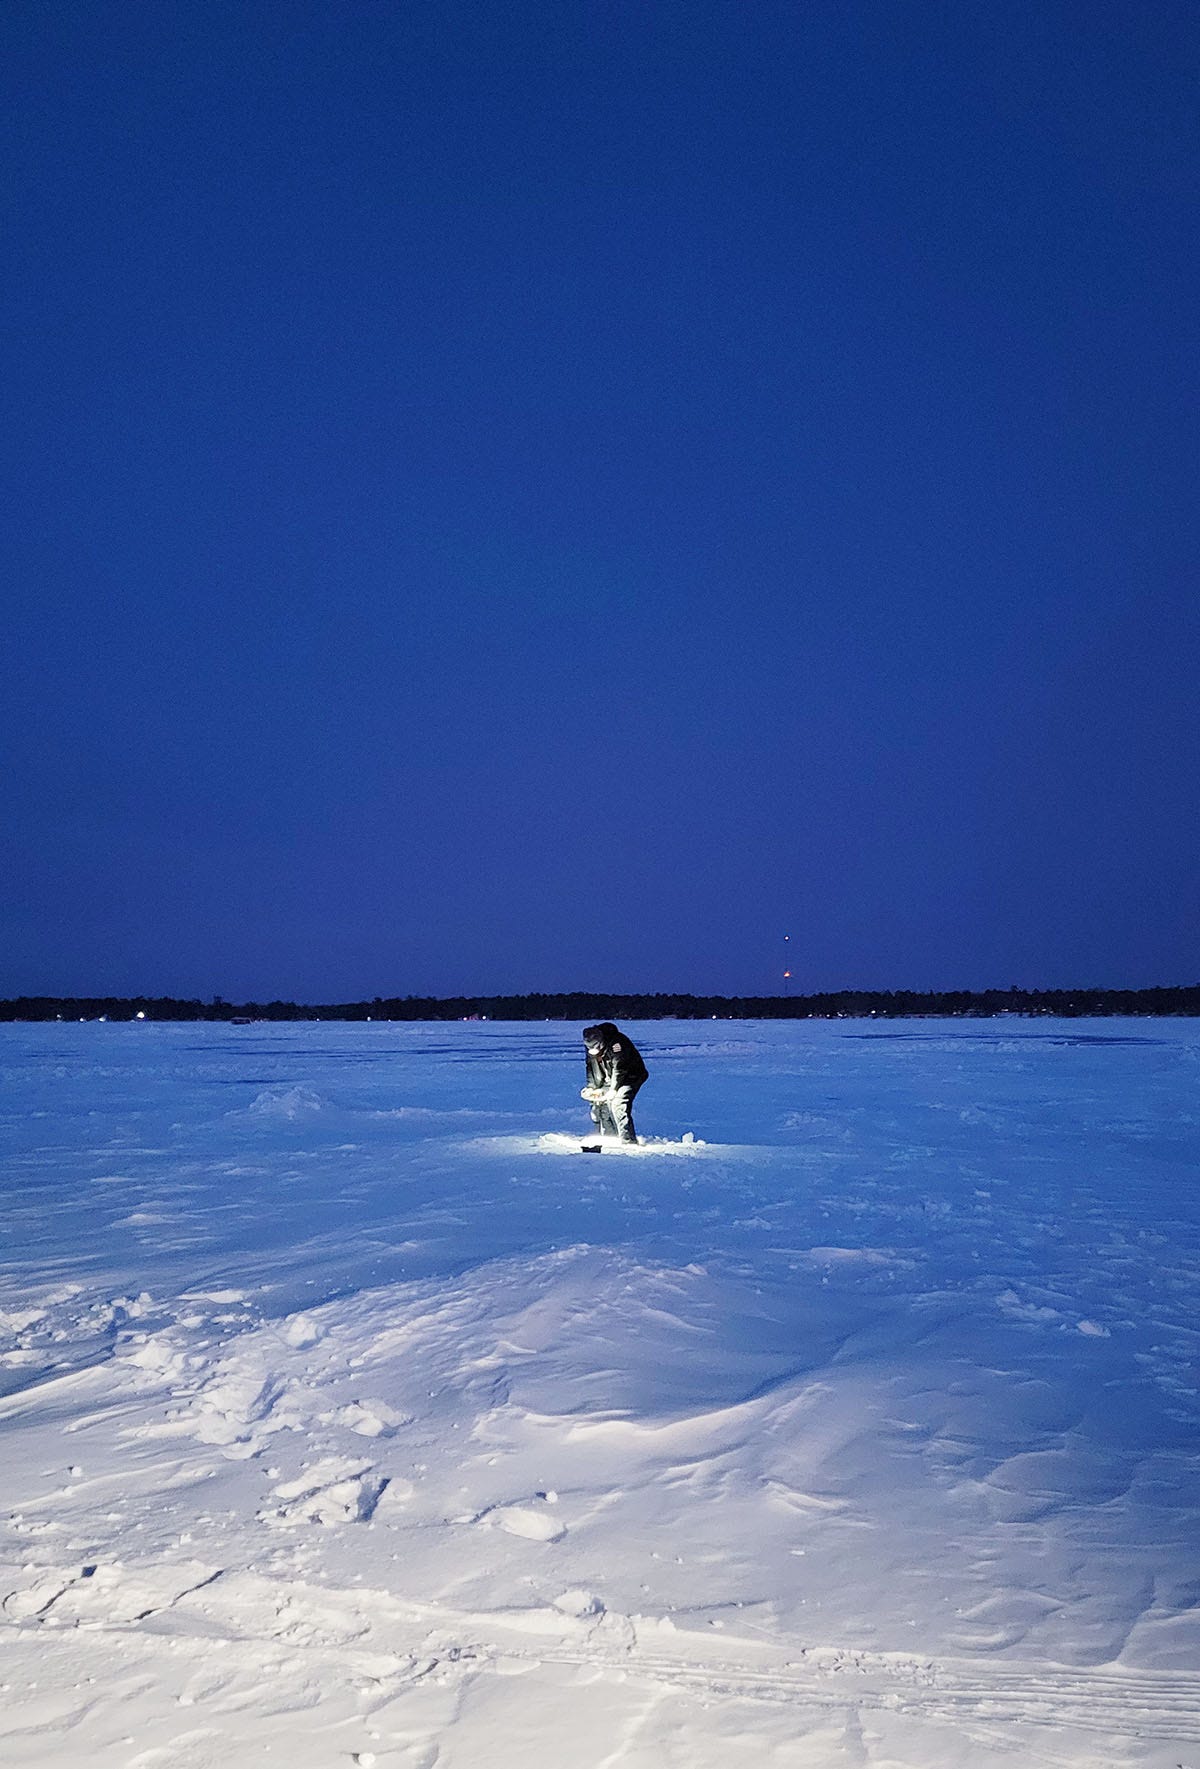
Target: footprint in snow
{"points": [[372, 1418], [583, 1605], [533, 1523]]}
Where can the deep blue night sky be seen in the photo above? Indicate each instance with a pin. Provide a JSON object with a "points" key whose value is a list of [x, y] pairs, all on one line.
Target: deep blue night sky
{"points": [[544, 495]]}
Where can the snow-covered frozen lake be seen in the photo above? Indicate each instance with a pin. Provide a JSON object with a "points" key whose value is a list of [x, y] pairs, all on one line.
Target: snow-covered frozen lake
{"points": [[349, 1413]]}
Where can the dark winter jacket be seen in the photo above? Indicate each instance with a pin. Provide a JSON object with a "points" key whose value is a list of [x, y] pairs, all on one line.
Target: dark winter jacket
{"points": [[613, 1060]]}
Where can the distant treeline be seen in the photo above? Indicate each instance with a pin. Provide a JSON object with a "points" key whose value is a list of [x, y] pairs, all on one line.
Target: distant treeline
{"points": [[841, 1004]]}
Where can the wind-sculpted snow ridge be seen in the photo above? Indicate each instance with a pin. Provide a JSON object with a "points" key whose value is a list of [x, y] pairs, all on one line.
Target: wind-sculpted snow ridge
{"points": [[870, 1441]]}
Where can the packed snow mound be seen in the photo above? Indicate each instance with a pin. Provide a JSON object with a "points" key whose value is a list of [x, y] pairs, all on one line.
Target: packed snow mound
{"points": [[288, 1103], [557, 1142]]}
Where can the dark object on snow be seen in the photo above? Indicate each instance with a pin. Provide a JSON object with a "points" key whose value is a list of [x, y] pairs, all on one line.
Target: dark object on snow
{"points": [[615, 1071], [589, 1148]]}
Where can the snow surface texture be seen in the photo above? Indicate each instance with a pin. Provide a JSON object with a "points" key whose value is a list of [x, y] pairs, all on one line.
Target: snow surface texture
{"points": [[349, 1414]]}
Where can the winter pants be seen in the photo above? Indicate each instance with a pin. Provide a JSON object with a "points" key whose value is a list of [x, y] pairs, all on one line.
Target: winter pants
{"points": [[614, 1116]]}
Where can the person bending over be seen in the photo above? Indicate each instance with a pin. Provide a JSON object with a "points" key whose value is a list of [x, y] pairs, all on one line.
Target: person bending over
{"points": [[615, 1071]]}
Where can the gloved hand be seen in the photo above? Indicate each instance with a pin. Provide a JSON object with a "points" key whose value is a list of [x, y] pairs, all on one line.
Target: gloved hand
{"points": [[592, 1093]]}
